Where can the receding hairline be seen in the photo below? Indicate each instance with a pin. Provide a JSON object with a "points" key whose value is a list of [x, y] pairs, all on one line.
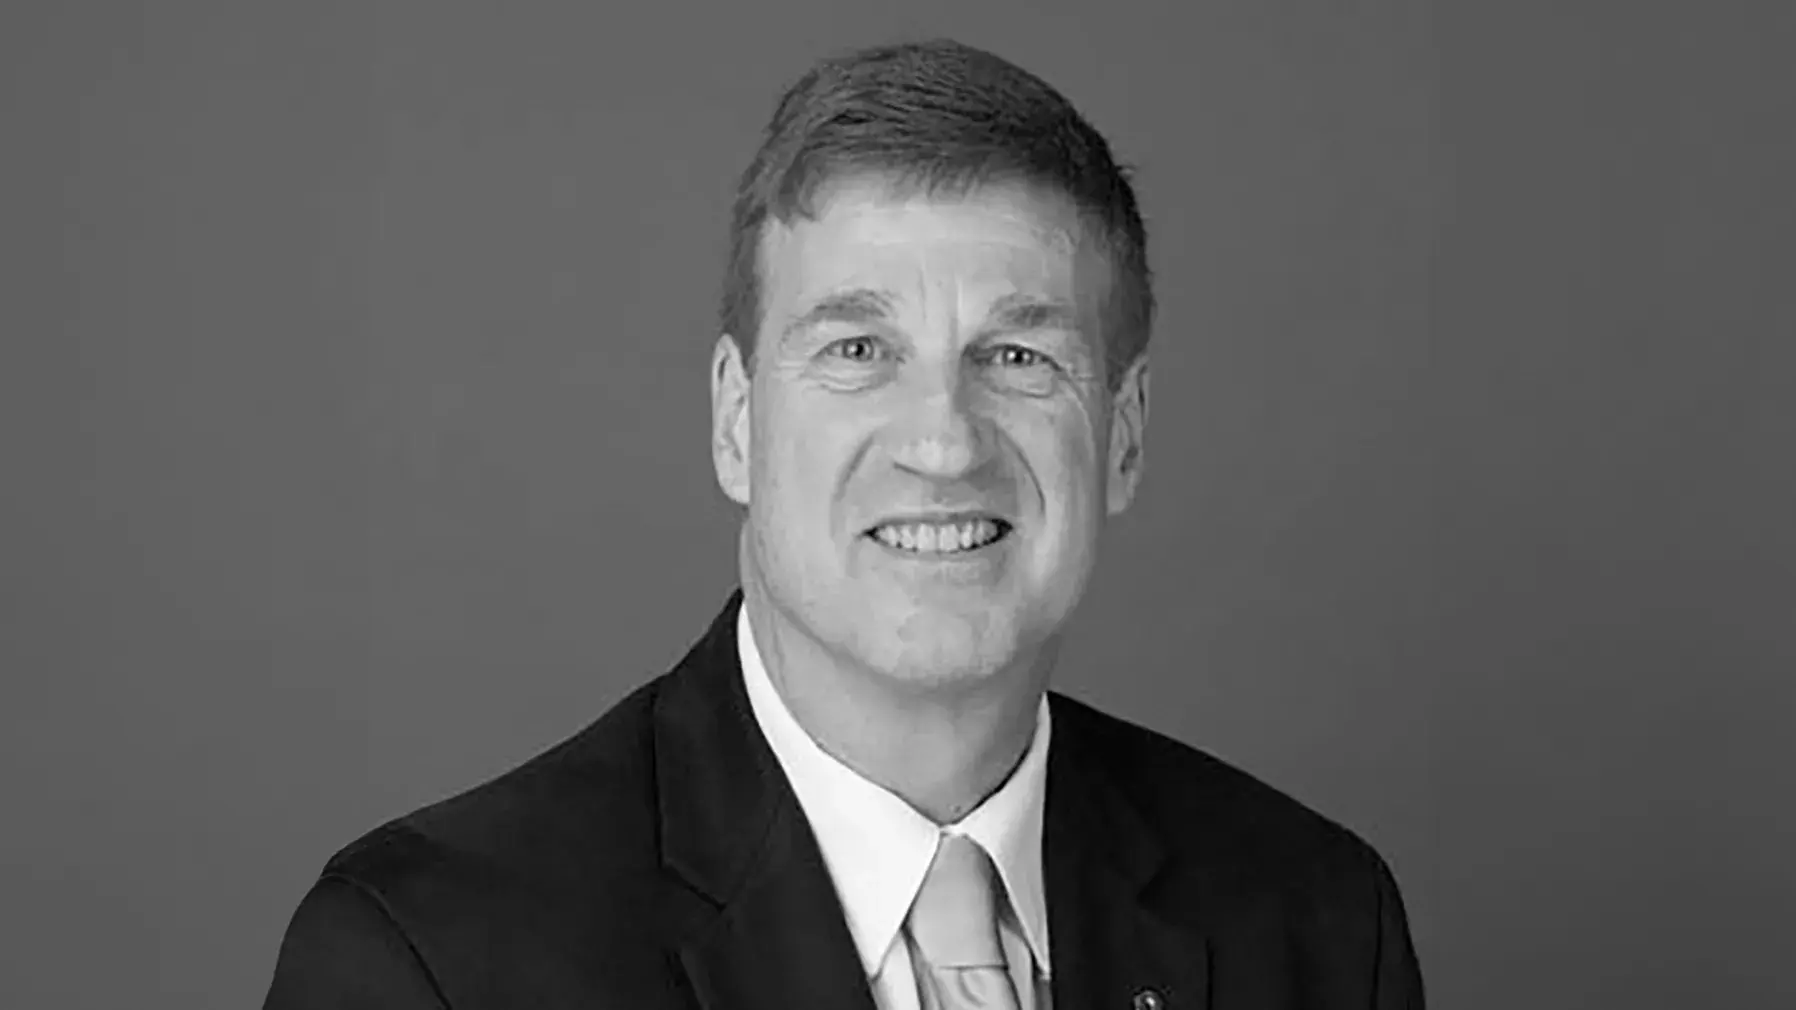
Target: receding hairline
{"points": [[1087, 233], [939, 118], [899, 184]]}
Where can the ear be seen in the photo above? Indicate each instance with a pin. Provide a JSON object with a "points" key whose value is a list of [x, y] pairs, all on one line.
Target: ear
{"points": [[730, 389], [1128, 426]]}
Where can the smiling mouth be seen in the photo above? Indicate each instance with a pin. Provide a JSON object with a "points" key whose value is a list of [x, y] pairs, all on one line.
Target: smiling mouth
{"points": [[926, 539]]}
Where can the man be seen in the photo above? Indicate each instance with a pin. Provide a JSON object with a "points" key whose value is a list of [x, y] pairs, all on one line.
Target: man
{"points": [[856, 791]]}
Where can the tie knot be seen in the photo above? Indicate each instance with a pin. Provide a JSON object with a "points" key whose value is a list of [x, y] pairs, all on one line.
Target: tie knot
{"points": [[954, 917]]}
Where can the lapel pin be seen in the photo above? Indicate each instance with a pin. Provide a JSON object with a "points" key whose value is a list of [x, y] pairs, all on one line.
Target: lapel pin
{"points": [[1148, 999]]}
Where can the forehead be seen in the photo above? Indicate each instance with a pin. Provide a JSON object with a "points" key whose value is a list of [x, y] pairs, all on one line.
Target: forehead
{"points": [[996, 239]]}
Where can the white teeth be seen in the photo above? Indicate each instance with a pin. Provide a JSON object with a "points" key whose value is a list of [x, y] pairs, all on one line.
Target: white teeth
{"points": [[938, 539]]}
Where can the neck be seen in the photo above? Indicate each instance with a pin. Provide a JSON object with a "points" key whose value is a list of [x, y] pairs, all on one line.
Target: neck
{"points": [[942, 749]]}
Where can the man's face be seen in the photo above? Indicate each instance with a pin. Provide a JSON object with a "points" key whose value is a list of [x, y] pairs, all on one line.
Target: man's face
{"points": [[927, 446]]}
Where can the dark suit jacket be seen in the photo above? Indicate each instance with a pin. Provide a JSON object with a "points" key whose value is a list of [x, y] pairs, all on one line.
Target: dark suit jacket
{"points": [[659, 859]]}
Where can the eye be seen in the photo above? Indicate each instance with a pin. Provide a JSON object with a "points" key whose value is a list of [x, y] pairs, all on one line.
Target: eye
{"points": [[860, 349], [1018, 356]]}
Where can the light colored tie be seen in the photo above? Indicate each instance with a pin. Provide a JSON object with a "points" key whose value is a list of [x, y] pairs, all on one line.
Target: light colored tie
{"points": [[953, 932]]}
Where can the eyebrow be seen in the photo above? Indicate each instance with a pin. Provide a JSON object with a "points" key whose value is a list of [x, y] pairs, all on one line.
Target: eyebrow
{"points": [[1013, 313], [1020, 312], [859, 305]]}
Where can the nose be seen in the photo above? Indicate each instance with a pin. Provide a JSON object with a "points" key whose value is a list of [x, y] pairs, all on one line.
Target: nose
{"points": [[941, 435]]}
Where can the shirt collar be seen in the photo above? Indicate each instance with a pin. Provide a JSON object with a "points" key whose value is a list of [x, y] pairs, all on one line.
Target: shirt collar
{"points": [[878, 848]]}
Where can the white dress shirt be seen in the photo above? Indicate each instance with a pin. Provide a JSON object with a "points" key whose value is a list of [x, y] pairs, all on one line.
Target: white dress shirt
{"points": [[878, 848]]}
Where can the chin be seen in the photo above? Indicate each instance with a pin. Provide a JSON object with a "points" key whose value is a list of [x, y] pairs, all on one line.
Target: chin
{"points": [[926, 648]]}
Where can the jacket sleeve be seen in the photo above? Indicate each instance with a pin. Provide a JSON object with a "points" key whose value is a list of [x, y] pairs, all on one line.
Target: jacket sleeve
{"points": [[1398, 975], [342, 950]]}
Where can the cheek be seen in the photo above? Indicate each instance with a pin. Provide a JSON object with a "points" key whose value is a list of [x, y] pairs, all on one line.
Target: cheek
{"points": [[1068, 460], [801, 456], [1060, 454]]}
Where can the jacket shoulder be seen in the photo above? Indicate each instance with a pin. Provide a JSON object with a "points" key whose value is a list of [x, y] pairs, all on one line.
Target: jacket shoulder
{"points": [[1285, 892], [1210, 810], [592, 793], [504, 891]]}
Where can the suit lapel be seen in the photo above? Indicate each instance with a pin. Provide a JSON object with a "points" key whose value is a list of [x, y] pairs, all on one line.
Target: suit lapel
{"points": [[781, 941], [1109, 943], [769, 932]]}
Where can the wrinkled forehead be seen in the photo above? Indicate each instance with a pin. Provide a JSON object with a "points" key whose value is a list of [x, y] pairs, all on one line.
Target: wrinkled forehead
{"points": [[990, 240]]}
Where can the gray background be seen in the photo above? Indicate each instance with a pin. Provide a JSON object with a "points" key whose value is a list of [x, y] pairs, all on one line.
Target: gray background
{"points": [[354, 415]]}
